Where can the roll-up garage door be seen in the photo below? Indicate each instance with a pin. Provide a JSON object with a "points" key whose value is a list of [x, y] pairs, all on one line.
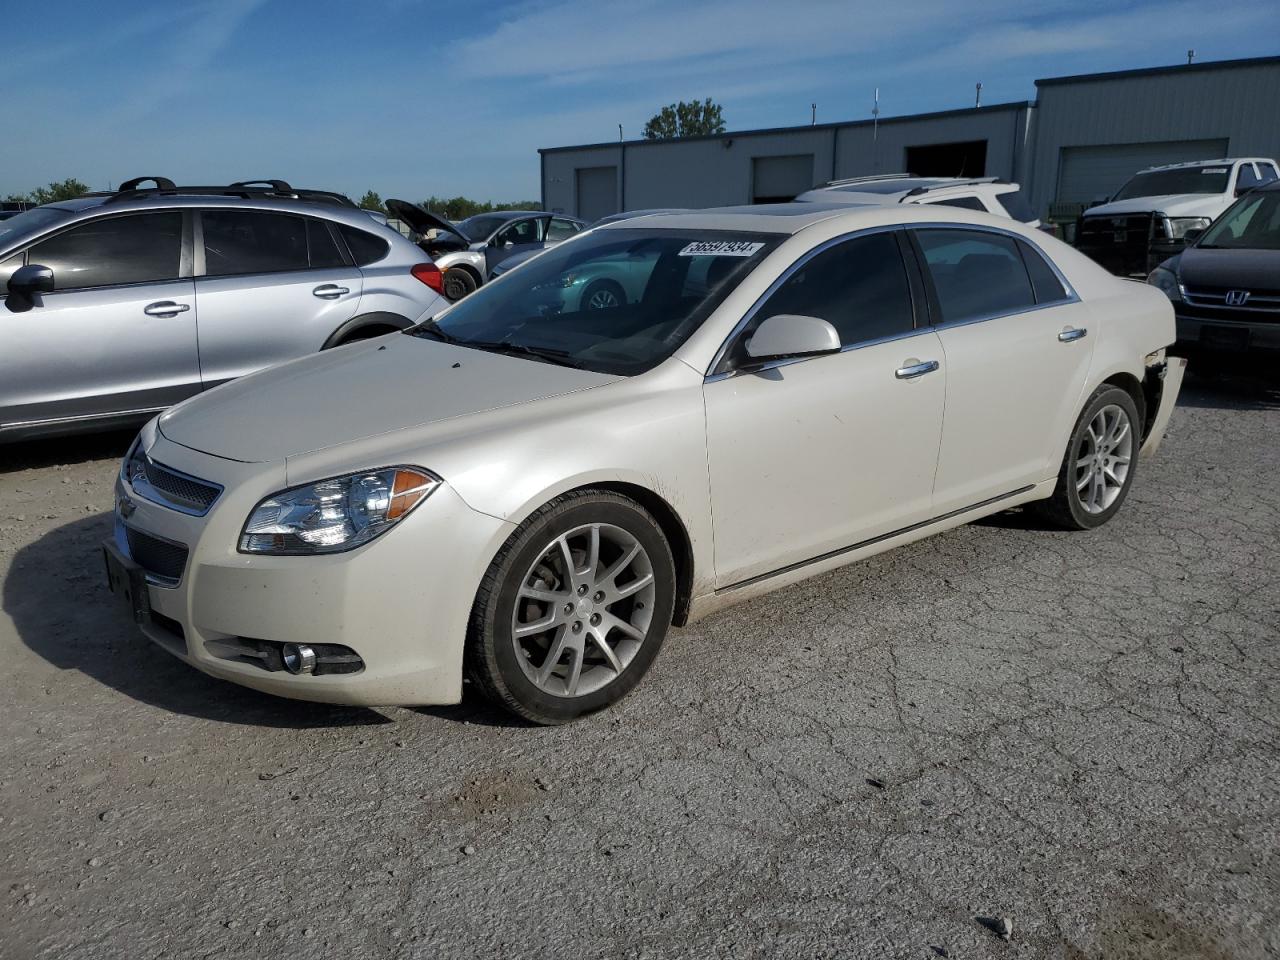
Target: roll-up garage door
{"points": [[597, 192], [1093, 173], [779, 179]]}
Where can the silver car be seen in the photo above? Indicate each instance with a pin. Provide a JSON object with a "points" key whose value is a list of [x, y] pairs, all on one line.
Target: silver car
{"points": [[114, 306], [467, 252]]}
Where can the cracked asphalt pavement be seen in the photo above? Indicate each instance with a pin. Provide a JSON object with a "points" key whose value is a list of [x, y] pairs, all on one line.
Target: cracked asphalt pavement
{"points": [[1078, 732]]}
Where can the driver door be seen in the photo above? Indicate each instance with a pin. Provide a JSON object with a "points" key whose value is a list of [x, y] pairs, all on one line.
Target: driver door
{"points": [[518, 236], [813, 456]]}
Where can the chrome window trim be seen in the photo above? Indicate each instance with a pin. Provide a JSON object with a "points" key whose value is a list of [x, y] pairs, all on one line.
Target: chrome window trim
{"points": [[714, 374]]}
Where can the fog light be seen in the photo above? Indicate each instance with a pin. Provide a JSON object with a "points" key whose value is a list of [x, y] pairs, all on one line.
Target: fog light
{"points": [[298, 658]]}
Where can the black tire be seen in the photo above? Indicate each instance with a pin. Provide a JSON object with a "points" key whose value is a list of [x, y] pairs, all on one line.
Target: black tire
{"points": [[1067, 508], [458, 283], [491, 649], [611, 294]]}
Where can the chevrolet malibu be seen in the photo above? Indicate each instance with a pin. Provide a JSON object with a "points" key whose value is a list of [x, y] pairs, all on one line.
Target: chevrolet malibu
{"points": [[530, 497]]}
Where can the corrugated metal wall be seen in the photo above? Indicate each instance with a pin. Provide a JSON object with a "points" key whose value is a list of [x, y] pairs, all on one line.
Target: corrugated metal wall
{"points": [[1237, 103]]}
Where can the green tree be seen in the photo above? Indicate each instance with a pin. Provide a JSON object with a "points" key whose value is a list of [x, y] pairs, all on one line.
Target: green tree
{"points": [[67, 189], [459, 208], [371, 201], [693, 119]]}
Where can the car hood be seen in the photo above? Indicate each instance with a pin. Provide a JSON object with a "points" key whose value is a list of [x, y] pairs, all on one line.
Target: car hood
{"points": [[1232, 269], [1174, 205], [422, 220], [368, 389]]}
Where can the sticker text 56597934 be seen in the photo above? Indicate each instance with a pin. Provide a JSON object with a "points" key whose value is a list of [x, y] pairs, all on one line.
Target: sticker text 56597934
{"points": [[720, 248]]}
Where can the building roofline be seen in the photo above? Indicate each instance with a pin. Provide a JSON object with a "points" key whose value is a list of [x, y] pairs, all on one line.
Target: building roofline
{"points": [[1155, 71], [765, 131]]}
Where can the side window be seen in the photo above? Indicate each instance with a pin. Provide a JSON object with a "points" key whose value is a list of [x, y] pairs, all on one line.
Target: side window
{"points": [[6, 271], [860, 287], [322, 251], [1044, 282], [968, 203], [975, 274], [522, 231], [141, 248], [561, 229], [365, 247], [251, 241], [1016, 205], [1247, 178], [1267, 172]]}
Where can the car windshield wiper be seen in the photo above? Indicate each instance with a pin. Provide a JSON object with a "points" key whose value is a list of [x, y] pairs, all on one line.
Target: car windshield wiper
{"points": [[433, 329], [546, 354]]}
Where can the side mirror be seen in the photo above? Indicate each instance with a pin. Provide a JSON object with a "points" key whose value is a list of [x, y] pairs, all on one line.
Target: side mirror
{"points": [[26, 284], [1192, 235], [792, 335]]}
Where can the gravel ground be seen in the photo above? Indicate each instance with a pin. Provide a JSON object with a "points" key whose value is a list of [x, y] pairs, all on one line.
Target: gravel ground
{"points": [[1078, 732]]}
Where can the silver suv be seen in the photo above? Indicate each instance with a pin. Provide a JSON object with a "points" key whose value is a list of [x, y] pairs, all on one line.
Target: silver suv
{"points": [[119, 305]]}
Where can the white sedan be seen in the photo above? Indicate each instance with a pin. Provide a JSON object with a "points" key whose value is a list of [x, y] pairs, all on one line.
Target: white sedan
{"points": [[531, 495]]}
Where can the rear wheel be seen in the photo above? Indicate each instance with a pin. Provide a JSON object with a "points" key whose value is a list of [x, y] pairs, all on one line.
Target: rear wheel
{"points": [[458, 283], [1097, 469], [574, 608]]}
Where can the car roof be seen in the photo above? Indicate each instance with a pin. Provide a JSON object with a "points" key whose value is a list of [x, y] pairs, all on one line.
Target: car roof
{"points": [[509, 214], [98, 203], [791, 218]]}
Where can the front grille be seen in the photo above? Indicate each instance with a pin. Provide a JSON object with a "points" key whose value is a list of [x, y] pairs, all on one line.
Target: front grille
{"points": [[160, 558], [1121, 244], [1257, 301], [179, 490]]}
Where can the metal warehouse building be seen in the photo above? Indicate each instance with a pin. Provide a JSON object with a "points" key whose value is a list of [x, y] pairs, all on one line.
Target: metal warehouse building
{"points": [[1078, 141]]}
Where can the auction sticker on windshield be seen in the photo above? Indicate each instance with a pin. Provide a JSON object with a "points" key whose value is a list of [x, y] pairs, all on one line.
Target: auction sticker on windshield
{"points": [[720, 248]]}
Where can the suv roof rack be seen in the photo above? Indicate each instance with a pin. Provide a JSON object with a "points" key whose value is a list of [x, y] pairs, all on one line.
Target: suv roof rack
{"points": [[868, 179], [950, 182], [246, 189]]}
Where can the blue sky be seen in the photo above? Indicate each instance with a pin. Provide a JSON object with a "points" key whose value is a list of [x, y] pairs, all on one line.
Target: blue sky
{"points": [[413, 98]]}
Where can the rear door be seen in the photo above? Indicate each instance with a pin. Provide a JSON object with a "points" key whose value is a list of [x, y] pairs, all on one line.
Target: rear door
{"points": [[1017, 349], [270, 286], [117, 335]]}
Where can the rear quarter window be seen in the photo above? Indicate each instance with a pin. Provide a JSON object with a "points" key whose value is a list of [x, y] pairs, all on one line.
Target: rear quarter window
{"points": [[364, 246], [1016, 205]]}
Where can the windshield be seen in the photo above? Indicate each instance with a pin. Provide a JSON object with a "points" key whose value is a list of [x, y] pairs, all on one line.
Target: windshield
{"points": [[15, 229], [1164, 183], [1251, 224], [480, 226], [617, 301]]}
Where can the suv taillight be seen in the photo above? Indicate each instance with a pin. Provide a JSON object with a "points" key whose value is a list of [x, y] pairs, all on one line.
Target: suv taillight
{"points": [[429, 274]]}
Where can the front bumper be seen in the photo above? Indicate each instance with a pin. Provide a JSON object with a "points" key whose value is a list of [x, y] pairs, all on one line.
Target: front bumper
{"points": [[401, 602], [1223, 336]]}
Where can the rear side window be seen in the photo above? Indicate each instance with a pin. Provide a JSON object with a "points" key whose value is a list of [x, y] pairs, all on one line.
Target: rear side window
{"points": [[968, 203], [250, 241], [1246, 179], [365, 247], [140, 248], [561, 229], [975, 274], [860, 287], [322, 250], [1016, 205], [1044, 282], [1267, 172]]}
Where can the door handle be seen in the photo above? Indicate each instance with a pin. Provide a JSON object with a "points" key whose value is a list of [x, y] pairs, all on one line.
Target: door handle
{"points": [[913, 370], [165, 308], [329, 291], [1073, 333]]}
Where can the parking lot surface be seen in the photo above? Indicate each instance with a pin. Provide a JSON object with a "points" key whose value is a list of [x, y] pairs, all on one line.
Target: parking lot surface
{"points": [[1077, 732]]}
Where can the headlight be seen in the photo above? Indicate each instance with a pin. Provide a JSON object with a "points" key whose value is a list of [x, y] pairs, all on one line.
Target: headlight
{"points": [[134, 465], [1178, 226], [337, 514], [1166, 282]]}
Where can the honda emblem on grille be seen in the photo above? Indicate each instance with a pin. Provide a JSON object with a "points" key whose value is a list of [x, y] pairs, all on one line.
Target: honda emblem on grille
{"points": [[1237, 298]]}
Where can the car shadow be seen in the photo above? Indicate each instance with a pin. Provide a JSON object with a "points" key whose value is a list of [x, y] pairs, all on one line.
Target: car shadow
{"points": [[57, 598], [1217, 385], [55, 451]]}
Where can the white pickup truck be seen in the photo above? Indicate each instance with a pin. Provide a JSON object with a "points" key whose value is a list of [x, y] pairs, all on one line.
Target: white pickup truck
{"points": [[1148, 219]]}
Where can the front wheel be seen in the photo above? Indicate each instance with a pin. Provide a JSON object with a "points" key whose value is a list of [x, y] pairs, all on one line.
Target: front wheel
{"points": [[1097, 469], [573, 609]]}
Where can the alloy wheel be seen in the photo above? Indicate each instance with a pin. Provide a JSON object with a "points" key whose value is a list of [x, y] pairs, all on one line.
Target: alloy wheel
{"points": [[1103, 459], [583, 609]]}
